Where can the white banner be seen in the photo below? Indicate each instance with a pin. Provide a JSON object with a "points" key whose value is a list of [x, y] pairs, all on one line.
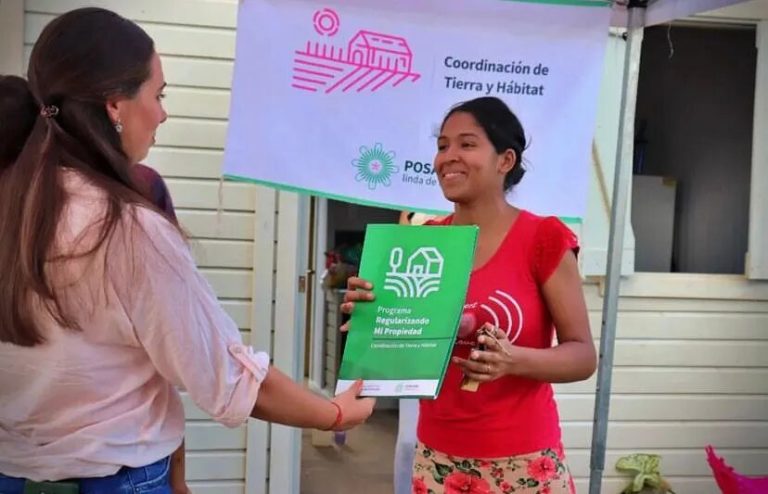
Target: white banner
{"points": [[344, 98]]}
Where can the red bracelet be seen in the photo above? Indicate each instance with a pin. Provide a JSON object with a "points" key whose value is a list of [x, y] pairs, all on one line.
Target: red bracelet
{"points": [[339, 417]]}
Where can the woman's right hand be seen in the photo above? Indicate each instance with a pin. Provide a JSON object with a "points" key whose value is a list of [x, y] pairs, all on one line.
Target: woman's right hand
{"points": [[358, 290], [354, 410]]}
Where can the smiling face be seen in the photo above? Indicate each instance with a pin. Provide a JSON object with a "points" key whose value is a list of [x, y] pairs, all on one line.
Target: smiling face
{"points": [[141, 114], [468, 166]]}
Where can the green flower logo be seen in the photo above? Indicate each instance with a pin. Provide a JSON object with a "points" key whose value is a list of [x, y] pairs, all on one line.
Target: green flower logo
{"points": [[375, 166]]}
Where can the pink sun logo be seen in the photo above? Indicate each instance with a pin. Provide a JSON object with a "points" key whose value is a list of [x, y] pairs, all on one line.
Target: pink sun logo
{"points": [[326, 22]]}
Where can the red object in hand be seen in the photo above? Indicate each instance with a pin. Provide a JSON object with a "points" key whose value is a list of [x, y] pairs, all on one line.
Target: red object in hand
{"points": [[467, 324], [732, 482]]}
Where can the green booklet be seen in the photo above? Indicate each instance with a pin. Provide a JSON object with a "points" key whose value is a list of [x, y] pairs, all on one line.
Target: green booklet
{"points": [[400, 343]]}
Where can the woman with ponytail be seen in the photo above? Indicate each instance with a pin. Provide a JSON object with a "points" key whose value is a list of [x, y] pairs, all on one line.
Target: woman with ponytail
{"points": [[103, 314]]}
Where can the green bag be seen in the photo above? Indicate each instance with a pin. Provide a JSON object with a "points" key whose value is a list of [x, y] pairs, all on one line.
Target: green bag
{"points": [[51, 488]]}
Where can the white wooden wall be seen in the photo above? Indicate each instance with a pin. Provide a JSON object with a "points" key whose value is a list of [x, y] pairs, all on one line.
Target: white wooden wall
{"points": [[691, 369], [593, 232], [691, 363], [11, 37]]}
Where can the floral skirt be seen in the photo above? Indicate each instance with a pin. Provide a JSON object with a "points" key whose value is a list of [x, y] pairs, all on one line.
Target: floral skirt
{"points": [[543, 472]]}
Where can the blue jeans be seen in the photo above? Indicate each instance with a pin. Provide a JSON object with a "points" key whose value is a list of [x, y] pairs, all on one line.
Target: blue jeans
{"points": [[151, 479]]}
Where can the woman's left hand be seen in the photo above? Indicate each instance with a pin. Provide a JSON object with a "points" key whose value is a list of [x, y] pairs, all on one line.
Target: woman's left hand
{"points": [[498, 359]]}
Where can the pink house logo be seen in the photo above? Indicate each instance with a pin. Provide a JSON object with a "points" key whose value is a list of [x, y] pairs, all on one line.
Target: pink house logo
{"points": [[380, 50], [370, 61]]}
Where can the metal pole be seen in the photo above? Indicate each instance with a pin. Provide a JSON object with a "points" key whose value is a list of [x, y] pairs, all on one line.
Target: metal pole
{"points": [[622, 179]]}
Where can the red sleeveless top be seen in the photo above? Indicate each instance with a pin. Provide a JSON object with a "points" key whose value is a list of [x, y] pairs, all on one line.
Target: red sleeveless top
{"points": [[511, 415]]}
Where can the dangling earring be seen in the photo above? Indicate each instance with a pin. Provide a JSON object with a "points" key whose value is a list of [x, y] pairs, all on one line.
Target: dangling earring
{"points": [[118, 126]]}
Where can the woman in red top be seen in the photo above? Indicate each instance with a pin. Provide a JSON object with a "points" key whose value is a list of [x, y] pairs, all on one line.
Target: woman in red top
{"points": [[502, 435]]}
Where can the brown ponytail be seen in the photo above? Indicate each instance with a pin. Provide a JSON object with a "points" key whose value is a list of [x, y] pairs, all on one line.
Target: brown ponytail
{"points": [[81, 59]]}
